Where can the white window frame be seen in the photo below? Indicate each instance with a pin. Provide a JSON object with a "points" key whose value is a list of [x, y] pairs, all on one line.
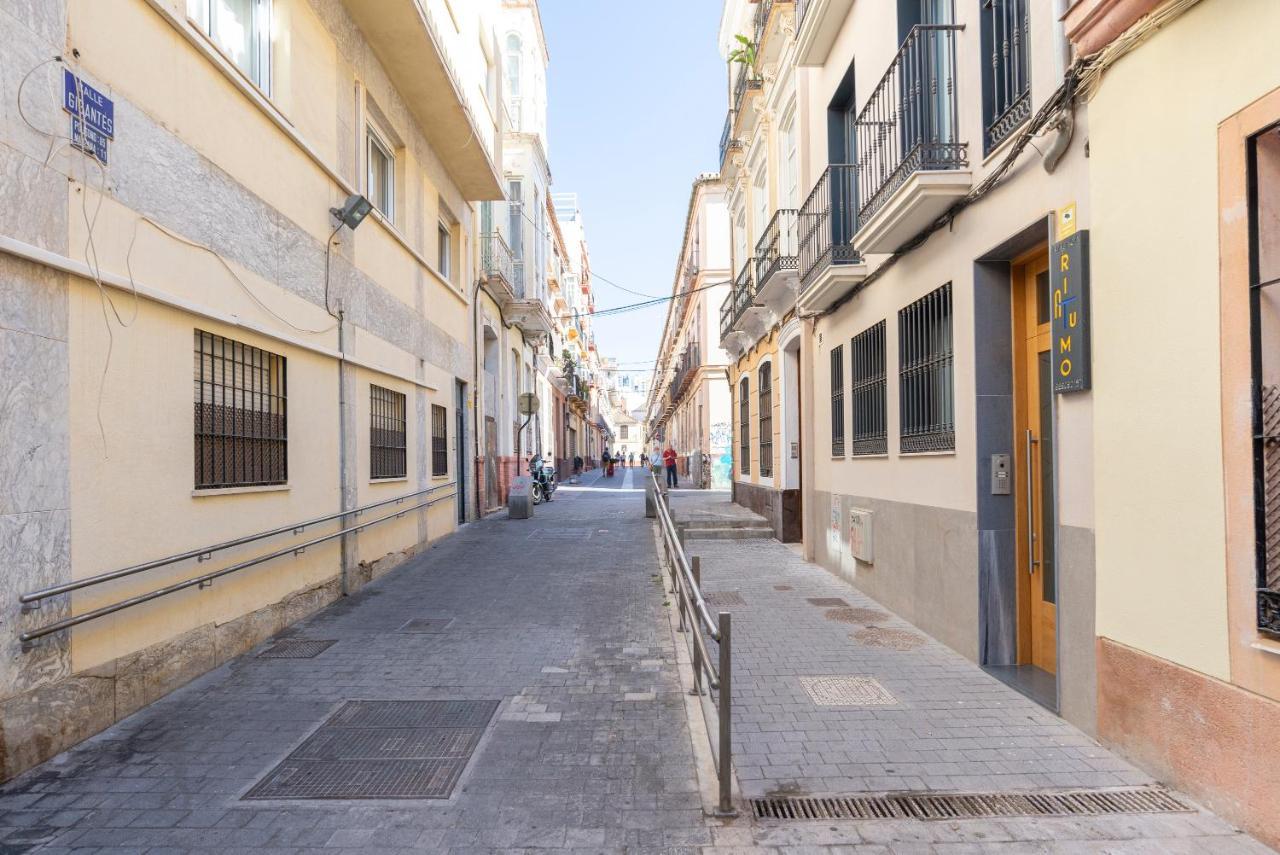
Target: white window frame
{"points": [[444, 250], [375, 141], [204, 14]]}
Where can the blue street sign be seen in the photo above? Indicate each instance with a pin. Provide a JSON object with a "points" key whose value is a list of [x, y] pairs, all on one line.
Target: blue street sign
{"points": [[93, 115]]}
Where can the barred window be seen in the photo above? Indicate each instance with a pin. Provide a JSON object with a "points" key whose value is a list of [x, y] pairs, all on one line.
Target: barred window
{"points": [[1264, 309], [744, 426], [439, 440], [386, 433], [766, 419], [866, 358], [837, 401], [926, 404], [240, 414], [1006, 77]]}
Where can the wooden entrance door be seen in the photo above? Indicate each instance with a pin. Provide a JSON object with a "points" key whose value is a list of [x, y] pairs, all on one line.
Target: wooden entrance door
{"points": [[1034, 484]]}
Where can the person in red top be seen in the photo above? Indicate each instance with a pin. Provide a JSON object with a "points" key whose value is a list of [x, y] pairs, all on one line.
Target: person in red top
{"points": [[669, 460]]}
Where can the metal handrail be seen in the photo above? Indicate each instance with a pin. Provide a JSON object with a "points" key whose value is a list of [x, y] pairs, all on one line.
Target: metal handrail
{"points": [[207, 578], [686, 584], [204, 553]]}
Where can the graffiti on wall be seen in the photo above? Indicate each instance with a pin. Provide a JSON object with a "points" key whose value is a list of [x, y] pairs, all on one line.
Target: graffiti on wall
{"points": [[721, 458]]}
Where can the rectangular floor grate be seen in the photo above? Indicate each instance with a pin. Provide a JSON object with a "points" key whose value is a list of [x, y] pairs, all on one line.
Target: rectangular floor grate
{"points": [[826, 602], [430, 625], [382, 750], [723, 598], [933, 806], [296, 649]]}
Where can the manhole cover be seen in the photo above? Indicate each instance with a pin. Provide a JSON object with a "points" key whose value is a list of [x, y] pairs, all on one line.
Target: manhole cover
{"points": [[782, 588], [382, 750], [853, 615], [723, 598], [944, 806], [296, 649], [847, 691], [826, 602], [894, 639], [426, 625]]}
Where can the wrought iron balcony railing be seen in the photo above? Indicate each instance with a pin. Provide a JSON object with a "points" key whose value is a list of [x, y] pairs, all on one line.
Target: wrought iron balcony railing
{"points": [[726, 316], [1006, 76], [748, 81], [761, 22], [495, 258], [911, 122], [828, 220], [777, 248], [727, 142], [744, 289]]}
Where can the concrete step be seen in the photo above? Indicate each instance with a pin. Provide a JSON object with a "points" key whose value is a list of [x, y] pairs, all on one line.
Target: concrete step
{"points": [[737, 532]]}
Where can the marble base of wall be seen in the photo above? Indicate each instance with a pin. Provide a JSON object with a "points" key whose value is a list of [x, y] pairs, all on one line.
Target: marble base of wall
{"points": [[38, 724], [1211, 739]]}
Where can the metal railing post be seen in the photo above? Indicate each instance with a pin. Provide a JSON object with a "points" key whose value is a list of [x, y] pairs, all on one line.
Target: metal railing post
{"points": [[726, 693], [696, 565]]}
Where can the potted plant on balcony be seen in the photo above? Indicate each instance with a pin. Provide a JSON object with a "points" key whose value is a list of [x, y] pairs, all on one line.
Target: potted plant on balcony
{"points": [[744, 53]]}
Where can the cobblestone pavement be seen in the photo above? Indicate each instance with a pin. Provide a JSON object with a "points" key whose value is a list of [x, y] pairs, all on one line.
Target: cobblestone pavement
{"points": [[561, 619], [916, 716]]}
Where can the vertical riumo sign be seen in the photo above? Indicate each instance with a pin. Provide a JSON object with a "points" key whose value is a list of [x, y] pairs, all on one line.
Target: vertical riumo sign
{"points": [[1069, 293]]}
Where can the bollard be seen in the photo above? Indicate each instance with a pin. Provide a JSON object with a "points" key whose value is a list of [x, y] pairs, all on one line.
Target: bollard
{"points": [[650, 498], [695, 564], [726, 760], [520, 498]]}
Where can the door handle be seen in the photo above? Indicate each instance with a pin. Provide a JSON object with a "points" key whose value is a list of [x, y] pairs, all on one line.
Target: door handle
{"points": [[1031, 506]]}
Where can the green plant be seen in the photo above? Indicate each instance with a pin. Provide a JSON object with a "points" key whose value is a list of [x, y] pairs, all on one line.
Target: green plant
{"points": [[745, 53]]}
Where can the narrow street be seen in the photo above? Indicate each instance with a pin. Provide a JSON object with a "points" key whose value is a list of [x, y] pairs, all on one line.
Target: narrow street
{"points": [[561, 621]]}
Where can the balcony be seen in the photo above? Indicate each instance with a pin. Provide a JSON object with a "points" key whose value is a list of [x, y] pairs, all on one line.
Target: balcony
{"points": [[777, 262], [495, 268], [828, 264], [741, 320], [728, 143], [768, 26], [747, 85], [912, 165], [817, 25], [408, 44], [686, 368]]}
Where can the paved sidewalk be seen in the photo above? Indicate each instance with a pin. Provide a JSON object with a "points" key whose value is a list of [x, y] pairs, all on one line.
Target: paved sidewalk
{"points": [[918, 718], [558, 617]]}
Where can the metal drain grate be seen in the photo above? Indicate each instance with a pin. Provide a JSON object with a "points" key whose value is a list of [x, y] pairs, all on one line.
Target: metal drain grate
{"points": [[296, 649], [431, 625], [723, 598], [826, 602], [850, 615], [382, 750], [893, 639], [933, 806], [847, 691], [782, 588]]}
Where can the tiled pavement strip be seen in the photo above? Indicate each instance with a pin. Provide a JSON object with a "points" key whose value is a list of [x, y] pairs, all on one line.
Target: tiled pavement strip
{"points": [[561, 619]]}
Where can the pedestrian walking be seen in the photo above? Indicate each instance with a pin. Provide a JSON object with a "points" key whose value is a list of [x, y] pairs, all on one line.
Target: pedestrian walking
{"points": [[631, 459], [669, 458], [644, 460]]}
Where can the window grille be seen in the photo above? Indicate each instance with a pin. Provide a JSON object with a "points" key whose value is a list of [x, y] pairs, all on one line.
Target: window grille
{"points": [[240, 414], [1264, 304], [867, 387], [1006, 77], [386, 433], [766, 419], [925, 395], [837, 401], [439, 440], [744, 426]]}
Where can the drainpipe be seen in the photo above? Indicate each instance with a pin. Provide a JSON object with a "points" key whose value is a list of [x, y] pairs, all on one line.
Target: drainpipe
{"points": [[1065, 123], [344, 475]]}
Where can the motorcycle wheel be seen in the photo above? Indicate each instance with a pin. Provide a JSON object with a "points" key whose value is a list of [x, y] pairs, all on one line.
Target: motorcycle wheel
{"points": [[537, 493]]}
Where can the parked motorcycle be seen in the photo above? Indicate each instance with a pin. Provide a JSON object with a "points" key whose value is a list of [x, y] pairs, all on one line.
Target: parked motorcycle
{"points": [[544, 480]]}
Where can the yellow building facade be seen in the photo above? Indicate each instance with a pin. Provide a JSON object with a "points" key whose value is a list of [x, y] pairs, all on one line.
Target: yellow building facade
{"points": [[199, 350]]}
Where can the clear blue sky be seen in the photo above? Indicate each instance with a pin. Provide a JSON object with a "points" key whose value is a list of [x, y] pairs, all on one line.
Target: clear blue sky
{"points": [[636, 103]]}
